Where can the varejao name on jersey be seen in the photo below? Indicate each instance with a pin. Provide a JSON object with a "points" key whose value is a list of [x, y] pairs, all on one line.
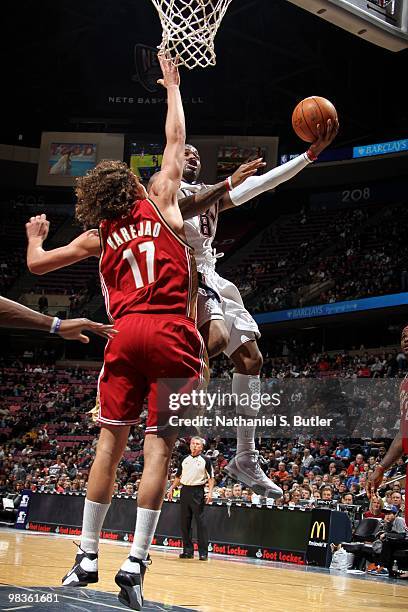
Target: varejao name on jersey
{"points": [[132, 231]]}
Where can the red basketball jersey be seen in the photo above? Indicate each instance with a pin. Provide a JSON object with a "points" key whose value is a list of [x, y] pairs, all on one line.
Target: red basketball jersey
{"points": [[404, 415], [145, 267]]}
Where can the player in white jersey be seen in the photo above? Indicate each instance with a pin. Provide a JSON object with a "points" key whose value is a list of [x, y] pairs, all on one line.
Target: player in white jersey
{"points": [[222, 318]]}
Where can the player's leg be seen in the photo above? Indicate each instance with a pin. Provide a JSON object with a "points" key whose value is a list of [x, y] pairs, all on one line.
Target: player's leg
{"points": [[157, 454], [210, 321], [215, 336], [179, 362], [243, 351], [248, 361], [246, 383], [111, 444], [109, 451], [121, 391], [247, 358]]}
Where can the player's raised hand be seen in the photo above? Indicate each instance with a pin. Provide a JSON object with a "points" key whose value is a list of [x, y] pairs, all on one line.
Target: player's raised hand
{"points": [[326, 136], [72, 329], [37, 227], [246, 170], [169, 69], [374, 481]]}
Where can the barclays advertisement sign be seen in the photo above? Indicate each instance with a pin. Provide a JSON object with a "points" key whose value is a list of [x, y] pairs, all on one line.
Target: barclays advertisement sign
{"points": [[336, 308], [384, 148]]}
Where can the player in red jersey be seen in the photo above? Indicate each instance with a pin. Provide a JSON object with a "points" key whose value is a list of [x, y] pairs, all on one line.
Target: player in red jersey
{"points": [[398, 448], [148, 278]]}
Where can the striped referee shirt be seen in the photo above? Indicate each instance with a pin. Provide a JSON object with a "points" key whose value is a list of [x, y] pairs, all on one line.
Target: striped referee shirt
{"points": [[195, 471]]}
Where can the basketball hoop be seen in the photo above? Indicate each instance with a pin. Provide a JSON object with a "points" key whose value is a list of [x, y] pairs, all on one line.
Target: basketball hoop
{"points": [[189, 29]]}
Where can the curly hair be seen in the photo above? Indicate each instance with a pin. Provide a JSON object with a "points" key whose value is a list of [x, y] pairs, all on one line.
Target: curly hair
{"points": [[107, 191]]}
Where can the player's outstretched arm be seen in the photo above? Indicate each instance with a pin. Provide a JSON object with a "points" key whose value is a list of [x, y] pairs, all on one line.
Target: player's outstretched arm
{"points": [[394, 453], [256, 185], [15, 315], [167, 181], [40, 261], [201, 201]]}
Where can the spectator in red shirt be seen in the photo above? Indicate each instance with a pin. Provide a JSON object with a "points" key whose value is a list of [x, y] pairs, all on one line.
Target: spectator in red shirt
{"points": [[375, 510], [323, 364], [282, 474], [359, 462], [364, 372], [221, 461]]}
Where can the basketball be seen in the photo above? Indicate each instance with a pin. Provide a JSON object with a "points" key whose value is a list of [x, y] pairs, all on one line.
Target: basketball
{"points": [[308, 113]]}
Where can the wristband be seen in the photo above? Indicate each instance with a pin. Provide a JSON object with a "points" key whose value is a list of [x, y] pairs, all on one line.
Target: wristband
{"points": [[229, 183], [382, 467], [55, 325], [310, 155]]}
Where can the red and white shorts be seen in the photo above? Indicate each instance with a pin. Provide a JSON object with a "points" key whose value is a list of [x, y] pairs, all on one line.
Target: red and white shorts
{"points": [[151, 356]]}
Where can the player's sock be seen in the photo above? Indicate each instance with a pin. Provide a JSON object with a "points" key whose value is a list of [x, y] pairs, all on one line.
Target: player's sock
{"points": [[146, 523], [94, 515], [245, 385]]}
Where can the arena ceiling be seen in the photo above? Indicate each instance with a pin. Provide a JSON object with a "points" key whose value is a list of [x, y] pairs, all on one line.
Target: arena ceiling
{"points": [[76, 65]]}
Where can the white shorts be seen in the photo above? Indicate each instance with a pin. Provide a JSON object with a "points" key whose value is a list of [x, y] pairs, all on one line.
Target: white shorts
{"points": [[219, 299]]}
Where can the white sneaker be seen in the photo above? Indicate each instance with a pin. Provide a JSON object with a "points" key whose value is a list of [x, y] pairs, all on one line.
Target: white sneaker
{"points": [[130, 580], [84, 570], [245, 468]]}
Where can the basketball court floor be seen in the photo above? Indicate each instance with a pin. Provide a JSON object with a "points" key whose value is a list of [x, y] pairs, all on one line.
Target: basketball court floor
{"points": [[31, 563]]}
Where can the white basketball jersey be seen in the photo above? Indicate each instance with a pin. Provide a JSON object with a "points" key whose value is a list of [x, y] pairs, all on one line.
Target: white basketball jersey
{"points": [[200, 230]]}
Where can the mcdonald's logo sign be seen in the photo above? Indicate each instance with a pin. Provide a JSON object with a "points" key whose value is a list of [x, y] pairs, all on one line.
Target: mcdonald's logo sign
{"points": [[318, 530]]}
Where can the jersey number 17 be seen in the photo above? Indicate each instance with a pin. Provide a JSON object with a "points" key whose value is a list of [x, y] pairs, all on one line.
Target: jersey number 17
{"points": [[128, 255]]}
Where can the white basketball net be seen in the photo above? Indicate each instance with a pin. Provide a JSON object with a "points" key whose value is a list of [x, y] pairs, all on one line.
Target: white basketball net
{"points": [[189, 29]]}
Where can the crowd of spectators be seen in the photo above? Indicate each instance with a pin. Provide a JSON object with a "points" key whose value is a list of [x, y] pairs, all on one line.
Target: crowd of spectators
{"points": [[314, 470], [362, 265], [48, 438], [288, 358], [285, 262], [366, 266], [13, 216], [48, 442], [11, 264]]}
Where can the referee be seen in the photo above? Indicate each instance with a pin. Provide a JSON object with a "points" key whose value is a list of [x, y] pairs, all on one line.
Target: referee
{"points": [[193, 473]]}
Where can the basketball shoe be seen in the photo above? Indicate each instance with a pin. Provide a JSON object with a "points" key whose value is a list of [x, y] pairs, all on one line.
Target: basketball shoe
{"points": [[245, 468], [130, 581], [84, 570]]}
